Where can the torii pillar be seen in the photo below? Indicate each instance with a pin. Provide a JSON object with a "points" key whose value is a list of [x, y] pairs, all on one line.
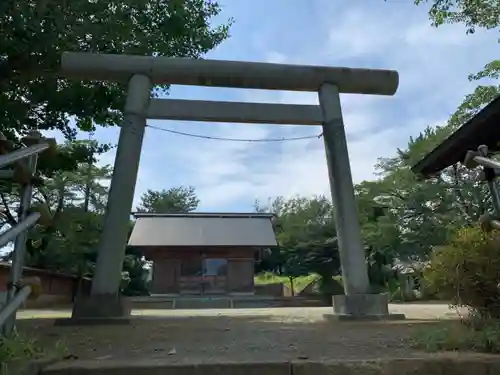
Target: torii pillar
{"points": [[142, 71]]}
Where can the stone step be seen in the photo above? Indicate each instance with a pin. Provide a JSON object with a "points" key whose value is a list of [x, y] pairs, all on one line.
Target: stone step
{"points": [[153, 304], [224, 302], [467, 364], [202, 303]]}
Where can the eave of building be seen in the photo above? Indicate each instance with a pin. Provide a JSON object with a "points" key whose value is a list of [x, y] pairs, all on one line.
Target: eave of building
{"points": [[207, 214], [482, 129], [209, 230]]}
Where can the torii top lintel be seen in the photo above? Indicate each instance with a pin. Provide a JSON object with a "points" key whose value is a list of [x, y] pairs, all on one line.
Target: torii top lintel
{"points": [[221, 73]]}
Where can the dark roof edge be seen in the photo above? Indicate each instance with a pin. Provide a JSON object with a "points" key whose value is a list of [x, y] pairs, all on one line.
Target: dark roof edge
{"points": [[185, 247], [207, 214], [458, 135]]}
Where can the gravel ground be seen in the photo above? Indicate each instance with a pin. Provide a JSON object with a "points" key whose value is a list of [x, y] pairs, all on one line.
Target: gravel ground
{"points": [[237, 334], [411, 310]]}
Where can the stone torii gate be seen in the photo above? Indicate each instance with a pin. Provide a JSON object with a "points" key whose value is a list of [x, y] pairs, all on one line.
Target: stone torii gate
{"points": [[143, 72]]}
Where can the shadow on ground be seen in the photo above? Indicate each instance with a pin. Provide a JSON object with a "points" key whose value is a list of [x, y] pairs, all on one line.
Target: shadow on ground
{"points": [[234, 338]]}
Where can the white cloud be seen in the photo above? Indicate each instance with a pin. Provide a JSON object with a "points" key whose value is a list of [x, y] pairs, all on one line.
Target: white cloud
{"points": [[433, 65], [276, 58], [227, 174]]}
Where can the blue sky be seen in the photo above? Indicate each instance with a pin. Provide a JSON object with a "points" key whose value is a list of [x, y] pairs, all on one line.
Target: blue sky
{"points": [[433, 65]]}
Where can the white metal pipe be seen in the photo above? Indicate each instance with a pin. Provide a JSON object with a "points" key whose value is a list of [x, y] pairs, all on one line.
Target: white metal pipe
{"points": [[221, 73], [9, 235], [252, 113], [13, 304], [495, 224], [19, 253], [22, 153], [487, 162]]}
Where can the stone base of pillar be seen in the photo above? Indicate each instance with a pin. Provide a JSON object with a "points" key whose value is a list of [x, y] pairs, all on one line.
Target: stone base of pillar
{"points": [[99, 309], [362, 307]]}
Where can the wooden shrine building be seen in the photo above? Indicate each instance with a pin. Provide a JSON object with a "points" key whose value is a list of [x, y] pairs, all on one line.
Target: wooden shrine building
{"points": [[202, 253]]}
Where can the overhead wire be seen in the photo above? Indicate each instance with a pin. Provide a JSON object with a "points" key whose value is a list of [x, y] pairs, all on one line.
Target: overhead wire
{"points": [[213, 138]]}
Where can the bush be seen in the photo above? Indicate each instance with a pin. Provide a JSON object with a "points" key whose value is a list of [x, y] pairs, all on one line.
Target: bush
{"points": [[327, 287], [16, 347], [299, 283], [467, 272], [400, 296], [16, 350], [459, 337], [427, 293], [330, 286]]}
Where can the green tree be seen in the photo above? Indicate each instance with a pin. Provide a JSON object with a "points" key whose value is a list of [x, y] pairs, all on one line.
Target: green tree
{"points": [[33, 96], [294, 265], [306, 236], [67, 242], [66, 226], [381, 234], [34, 33], [419, 215], [484, 14], [174, 200], [474, 14]]}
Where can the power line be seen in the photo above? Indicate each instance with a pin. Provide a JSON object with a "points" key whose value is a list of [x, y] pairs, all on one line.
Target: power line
{"points": [[233, 139]]}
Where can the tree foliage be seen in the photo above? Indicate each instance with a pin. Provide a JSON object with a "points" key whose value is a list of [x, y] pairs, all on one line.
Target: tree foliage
{"points": [[474, 14], [35, 96], [466, 270], [174, 200], [484, 14], [72, 229], [422, 215], [402, 218], [305, 235], [34, 33]]}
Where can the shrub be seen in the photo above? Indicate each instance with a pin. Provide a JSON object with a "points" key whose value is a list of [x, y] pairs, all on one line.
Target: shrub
{"points": [[467, 272], [400, 296], [16, 347], [427, 293], [458, 337], [327, 287], [299, 283], [330, 286]]}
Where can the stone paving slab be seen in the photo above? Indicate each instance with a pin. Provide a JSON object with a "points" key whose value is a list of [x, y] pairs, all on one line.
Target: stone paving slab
{"points": [[158, 367], [460, 365], [451, 364]]}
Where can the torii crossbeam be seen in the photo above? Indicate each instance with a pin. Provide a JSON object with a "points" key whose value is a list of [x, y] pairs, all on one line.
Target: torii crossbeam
{"points": [[142, 72]]}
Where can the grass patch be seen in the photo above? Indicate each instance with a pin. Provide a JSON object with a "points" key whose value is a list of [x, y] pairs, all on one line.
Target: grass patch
{"points": [[459, 336], [18, 349], [299, 283]]}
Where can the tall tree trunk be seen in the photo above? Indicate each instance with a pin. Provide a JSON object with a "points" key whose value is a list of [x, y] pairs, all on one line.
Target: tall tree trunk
{"points": [[86, 204], [292, 286], [88, 182]]}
